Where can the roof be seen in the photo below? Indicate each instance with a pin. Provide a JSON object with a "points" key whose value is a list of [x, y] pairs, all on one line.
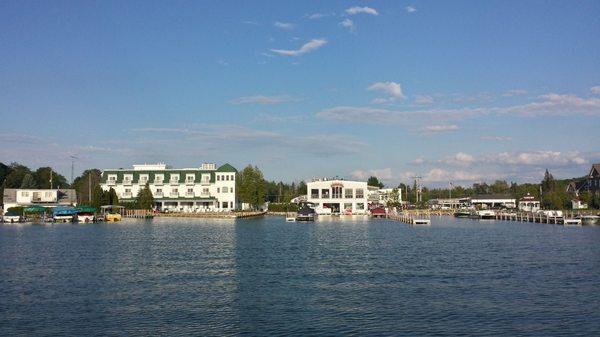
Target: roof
{"points": [[595, 167], [226, 168], [492, 196]]}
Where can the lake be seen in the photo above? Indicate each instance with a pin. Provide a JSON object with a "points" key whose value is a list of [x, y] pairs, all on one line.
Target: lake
{"points": [[265, 276]]}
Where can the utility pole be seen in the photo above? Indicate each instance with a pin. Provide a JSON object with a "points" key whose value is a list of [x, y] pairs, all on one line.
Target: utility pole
{"points": [[51, 178], [418, 195], [90, 187], [73, 157]]}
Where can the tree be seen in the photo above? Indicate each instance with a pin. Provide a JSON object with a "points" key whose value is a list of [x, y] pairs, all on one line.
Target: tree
{"points": [[251, 186], [373, 181], [82, 184], [112, 197], [16, 175], [28, 181], [42, 177], [145, 200]]}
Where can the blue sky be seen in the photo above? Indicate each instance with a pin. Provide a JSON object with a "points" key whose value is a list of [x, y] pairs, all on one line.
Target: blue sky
{"points": [[458, 91]]}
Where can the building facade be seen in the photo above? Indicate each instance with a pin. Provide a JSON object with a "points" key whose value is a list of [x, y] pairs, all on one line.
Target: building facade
{"points": [[493, 201], [203, 189], [338, 196], [15, 197], [529, 204], [590, 183]]}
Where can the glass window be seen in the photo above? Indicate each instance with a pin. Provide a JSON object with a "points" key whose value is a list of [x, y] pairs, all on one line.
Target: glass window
{"points": [[348, 193], [336, 192], [205, 190], [360, 206], [225, 204], [314, 193], [218, 190], [325, 193], [225, 190], [359, 193]]}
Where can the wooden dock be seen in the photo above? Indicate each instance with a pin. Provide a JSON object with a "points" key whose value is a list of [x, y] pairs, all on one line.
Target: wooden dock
{"points": [[555, 219], [412, 218]]}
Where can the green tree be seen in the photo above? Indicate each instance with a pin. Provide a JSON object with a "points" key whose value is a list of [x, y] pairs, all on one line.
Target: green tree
{"points": [[145, 200], [15, 178], [28, 181], [42, 177], [112, 197], [373, 181], [85, 184], [251, 186]]}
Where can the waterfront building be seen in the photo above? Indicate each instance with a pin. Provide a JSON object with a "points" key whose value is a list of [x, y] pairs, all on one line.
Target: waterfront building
{"points": [[200, 189], [449, 203], [386, 195], [590, 183], [340, 196], [18, 197], [493, 201], [529, 204], [577, 204]]}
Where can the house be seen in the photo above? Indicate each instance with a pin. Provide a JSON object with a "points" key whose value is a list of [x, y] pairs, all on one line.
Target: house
{"points": [[199, 189], [448, 203], [17, 197], [529, 204], [578, 204], [590, 183]]}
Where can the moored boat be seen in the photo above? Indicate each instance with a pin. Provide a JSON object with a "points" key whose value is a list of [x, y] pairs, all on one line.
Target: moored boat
{"points": [[484, 214], [64, 214], [462, 213], [306, 213], [85, 214], [590, 220], [12, 217]]}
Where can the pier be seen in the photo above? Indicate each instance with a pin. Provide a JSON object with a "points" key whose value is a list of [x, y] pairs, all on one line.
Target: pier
{"points": [[555, 219], [412, 218], [212, 215]]}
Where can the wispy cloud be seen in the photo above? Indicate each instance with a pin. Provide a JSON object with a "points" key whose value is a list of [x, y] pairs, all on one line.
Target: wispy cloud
{"points": [[423, 99], [496, 138], [410, 9], [364, 10], [250, 22], [284, 25], [261, 99], [316, 16], [595, 90], [439, 128], [308, 47], [514, 92], [555, 104], [392, 89], [376, 115], [384, 174], [347, 23]]}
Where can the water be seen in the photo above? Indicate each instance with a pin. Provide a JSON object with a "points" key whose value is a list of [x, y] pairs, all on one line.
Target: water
{"points": [[269, 277]]}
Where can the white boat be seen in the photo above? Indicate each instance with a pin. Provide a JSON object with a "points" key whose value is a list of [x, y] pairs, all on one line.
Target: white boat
{"points": [[421, 222], [85, 218], [572, 222], [483, 214], [11, 218], [589, 220]]}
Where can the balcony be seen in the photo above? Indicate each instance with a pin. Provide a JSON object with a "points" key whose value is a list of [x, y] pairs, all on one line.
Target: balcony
{"points": [[174, 182], [127, 182], [205, 182], [127, 195], [189, 194], [190, 182], [142, 181], [158, 194], [174, 195], [158, 182], [205, 195], [111, 182]]}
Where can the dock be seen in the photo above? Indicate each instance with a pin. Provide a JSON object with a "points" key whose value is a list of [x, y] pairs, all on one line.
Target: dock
{"points": [[412, 218], [556, 219], [212, 215]]}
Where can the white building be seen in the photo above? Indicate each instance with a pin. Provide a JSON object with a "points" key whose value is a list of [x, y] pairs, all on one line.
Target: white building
{"points": [[201, 189], [340, 196], [529, 204], [14, 197], [493, 201], [389, 194]]}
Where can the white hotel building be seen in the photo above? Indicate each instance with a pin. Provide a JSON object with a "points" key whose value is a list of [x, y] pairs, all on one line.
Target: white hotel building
{"points": [[203, 189]]}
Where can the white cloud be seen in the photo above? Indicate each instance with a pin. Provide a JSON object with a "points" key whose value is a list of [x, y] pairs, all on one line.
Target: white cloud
{"points": [[382, 174], [392, 89], [316, 16], [514, 92], [441, 175], [418, 161], [537, 158], [595, 90], [306, 48], [423, 99], [284, 25], [376, 115], [261, 99], [347, 23], [461, 159], [440, 128], [555, 104], [496, 138], [410, 9], [358, 10]]}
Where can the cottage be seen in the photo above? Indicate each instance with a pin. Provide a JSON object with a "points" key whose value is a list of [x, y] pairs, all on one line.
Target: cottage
{"points": [[529, 204]]}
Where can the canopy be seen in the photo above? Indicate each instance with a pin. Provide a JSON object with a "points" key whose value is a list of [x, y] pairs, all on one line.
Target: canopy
{"points": [[34, 209], [64, 211], [85, 209]]}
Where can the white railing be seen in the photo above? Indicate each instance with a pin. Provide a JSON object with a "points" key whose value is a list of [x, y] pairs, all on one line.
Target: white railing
{"points": [[174, 182], [158, 182], [174, 194], [111, 182], [189, 194], [158, 194], [127, 182], [127, 195]]}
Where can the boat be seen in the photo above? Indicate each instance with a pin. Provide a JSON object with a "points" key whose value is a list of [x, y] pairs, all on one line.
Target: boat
{"points": [[64, 214], [85, 214], [590, 220], [12, 217], [112, 213], [378, 212], [572, 222], [462, 213], [484, 214], [306, 213]]}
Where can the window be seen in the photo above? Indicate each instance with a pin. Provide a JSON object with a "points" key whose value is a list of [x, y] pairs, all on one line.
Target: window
{"points": [[159, 190], [325, 193], [205, 190], [48, 194], [336, 192], [348, 193], [225, 204], [206, 178], [24, 194], [112, 178], [232, 177], [158, 177], [227, 178], [190, 190], [225, 190], [231, 204], [175, 190], [218, 177], [348, 207], [360, 206], [218, 190], [190, 178], [360, 193], [127, 190]]}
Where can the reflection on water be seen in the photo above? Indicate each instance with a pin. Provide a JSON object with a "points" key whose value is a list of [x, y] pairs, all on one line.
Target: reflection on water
{"points": [[336, 276]]}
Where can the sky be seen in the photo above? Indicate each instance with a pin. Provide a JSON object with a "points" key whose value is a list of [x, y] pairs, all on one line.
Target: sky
{"points": [[451, 91]]}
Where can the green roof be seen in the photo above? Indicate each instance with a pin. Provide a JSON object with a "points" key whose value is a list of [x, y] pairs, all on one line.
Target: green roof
{"points": [[226, 168]]}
